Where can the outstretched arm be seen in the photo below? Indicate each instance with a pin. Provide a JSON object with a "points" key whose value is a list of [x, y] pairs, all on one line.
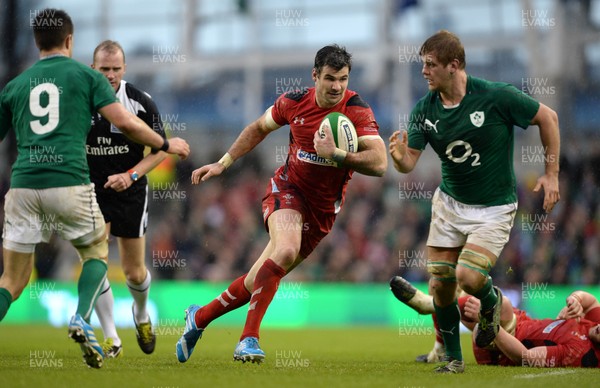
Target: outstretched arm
{"points": [[518, 353], [249, 138], [404, 157], [547, 120]]}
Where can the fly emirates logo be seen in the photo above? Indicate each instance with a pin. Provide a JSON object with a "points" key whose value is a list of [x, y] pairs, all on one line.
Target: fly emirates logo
{"points": [[105, 148], [309, 157]]}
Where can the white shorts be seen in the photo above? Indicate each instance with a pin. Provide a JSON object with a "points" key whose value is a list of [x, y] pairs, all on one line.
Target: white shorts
{"points": [[32, 215], [454, 224]]}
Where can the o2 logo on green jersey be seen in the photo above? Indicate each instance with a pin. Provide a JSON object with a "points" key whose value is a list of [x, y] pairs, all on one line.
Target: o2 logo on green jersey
{"points": [[468, 152], [50, 110]]}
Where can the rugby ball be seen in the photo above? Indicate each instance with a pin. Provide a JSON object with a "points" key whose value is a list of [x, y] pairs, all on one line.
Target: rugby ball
{"points": [[344, 133]]}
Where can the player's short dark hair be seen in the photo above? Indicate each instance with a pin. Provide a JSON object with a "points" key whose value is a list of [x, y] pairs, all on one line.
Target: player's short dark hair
{"points": [[446, 47], [333, 56], [51, 27], [110, 46]]}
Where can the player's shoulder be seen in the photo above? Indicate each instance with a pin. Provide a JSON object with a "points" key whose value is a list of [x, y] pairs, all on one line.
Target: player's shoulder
{"points": [[134, 92], [292, 100], [71, 65], [138, 96], [478, 85], [354, 99], [297, 95], [49, 70], [84, 75]]}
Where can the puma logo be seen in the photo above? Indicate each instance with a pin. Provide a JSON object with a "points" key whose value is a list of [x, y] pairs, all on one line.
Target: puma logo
{"points": [[432, 125]]}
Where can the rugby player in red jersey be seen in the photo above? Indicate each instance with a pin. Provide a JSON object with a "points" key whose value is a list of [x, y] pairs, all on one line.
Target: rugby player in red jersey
{"points": [[303, 197], [572, 339]]}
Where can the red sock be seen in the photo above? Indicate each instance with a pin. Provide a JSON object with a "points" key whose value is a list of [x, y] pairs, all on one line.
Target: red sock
{"points": [[265, 286], [236, 295]]}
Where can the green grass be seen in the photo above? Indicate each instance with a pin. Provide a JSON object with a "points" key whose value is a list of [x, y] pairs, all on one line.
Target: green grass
{"points": [[348, 357]]}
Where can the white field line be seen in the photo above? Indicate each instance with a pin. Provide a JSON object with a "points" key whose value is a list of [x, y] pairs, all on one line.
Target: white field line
{"points": [[535, 375]]}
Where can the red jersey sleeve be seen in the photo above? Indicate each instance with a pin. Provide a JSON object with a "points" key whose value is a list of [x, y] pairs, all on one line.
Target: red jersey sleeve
{"points": [[566, 341], [361, 115], [568, 354], [280, 110], [593, 315]]}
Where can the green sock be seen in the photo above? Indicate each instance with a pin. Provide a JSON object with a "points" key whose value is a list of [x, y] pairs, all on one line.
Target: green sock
{"points": [[487, 295], [5, 301], [89, 286], [449, 322]]}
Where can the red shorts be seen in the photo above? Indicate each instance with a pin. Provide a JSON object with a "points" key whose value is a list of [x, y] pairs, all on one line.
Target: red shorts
{"points": [[284, 195]]}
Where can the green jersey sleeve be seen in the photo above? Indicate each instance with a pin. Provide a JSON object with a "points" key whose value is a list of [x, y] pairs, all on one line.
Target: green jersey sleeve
{"points": [[517, 107], [417, 126]]}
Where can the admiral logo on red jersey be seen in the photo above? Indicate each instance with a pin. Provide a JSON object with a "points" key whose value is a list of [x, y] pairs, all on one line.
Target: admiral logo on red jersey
{"points": [[309, 157]]}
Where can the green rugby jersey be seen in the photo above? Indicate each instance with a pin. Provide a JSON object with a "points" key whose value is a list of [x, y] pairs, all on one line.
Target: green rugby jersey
{"points": [[50, 106], [474, 140]]}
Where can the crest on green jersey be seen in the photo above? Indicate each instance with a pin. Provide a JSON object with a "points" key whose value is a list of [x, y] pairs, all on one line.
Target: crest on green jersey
{"points": [[477, 118]]}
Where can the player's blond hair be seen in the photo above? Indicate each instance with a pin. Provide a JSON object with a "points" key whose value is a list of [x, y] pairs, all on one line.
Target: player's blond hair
{"points": [[446, 47], [109, 46]]}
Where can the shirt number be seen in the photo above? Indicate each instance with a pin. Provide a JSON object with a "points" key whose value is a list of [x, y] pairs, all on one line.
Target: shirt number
{"points": [[467, 153], [50, 110]]}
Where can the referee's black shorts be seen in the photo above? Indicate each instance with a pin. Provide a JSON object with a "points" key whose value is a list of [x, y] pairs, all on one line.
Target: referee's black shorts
{"points": [[126, 211]]}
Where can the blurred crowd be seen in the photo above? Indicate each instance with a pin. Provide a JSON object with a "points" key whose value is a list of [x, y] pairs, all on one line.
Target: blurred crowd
{"points": [[214, 231]]}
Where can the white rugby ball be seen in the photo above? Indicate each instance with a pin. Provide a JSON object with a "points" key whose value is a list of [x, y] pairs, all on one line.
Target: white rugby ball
{"points": [[344, 133]]}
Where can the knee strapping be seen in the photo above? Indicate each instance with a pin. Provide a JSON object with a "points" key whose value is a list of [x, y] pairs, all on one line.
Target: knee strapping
{"points": [[511, 326], [96, 250], [442, 270], [476, 261]]}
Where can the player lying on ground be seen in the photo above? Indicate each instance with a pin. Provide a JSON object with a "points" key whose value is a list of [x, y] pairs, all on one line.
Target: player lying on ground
{"points": [[422, 303], [572, 339]]}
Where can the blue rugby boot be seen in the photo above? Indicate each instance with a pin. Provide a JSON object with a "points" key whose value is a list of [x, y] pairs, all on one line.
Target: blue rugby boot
{"points": [[191, 335], [248, 350], [83, 334]]}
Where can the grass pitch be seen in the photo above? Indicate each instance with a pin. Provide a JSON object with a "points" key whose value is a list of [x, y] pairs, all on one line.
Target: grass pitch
{"points": [[42, 356]]}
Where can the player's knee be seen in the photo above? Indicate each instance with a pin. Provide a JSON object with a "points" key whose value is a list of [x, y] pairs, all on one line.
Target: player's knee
{"points": [[285, 255], [476, 261], [473, 269], [136, 274], [95, 250], [468, 280]]}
